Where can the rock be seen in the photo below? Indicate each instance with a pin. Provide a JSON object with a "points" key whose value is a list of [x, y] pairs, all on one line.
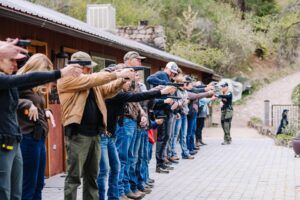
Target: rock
{"points": [[160, 42], [140, 27], [149, 31], [129, 31], [159, 29], [142, 31], [139, 36]]}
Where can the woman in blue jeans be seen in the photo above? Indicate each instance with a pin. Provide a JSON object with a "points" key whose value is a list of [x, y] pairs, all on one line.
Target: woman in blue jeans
{"points": [[11, 158], [33, 121]]}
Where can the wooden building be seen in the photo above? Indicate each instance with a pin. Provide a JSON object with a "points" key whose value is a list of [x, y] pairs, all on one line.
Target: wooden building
{"points": [[58, 36]]}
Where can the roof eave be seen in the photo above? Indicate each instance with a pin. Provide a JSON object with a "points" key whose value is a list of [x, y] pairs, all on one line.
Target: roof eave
{"points": [[37, 21]]}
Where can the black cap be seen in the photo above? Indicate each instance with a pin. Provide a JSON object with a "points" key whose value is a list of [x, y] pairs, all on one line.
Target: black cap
{"points": [[188, 79]]}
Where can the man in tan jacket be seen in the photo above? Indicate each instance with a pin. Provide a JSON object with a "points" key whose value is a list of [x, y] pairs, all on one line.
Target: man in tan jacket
{"points": [[84, 117]]}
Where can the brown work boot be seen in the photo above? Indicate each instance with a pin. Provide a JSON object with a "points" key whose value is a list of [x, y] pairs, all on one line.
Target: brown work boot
{"points": [[140, 193], [124, 197], [146, 190], [175, 158], [135, 195]]}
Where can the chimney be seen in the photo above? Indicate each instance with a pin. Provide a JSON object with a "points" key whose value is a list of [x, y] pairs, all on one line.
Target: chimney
{"points": [[102, 16]]}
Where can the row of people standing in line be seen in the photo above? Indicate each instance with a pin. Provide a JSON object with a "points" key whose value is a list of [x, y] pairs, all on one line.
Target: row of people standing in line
{"points": [[84, 116]]}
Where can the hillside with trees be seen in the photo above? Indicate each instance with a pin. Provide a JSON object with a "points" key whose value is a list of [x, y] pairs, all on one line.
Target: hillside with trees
{"points": [[233, 37]]}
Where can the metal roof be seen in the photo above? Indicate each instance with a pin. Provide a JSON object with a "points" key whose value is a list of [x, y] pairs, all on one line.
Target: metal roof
{"points": [[51, 18]]}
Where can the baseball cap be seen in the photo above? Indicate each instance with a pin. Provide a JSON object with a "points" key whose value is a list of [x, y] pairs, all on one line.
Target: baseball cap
{"points": [[188, 79], [82, 56], [224, 84], [173, 67], [131, 55]]}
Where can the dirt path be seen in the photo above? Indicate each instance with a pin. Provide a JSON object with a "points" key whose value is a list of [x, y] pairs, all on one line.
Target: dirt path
{"points": [[278, 92]]}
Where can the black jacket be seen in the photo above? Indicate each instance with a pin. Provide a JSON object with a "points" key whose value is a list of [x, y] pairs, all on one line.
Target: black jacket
{"points": [[115, 105], [9, 85], [226, 100]]}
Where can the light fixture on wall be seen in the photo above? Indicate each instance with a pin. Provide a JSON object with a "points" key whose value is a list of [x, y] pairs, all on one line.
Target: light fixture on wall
{"points": [[61, 59]]}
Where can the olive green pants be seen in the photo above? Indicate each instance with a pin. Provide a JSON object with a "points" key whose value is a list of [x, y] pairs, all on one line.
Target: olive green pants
{"points": [[226, 118], [83, 156]]}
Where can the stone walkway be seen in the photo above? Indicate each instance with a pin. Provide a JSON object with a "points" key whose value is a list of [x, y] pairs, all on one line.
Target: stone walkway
{"points": [[251, 168]]}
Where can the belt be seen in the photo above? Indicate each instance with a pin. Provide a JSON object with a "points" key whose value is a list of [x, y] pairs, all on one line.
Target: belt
{"points": [[229, 108]]}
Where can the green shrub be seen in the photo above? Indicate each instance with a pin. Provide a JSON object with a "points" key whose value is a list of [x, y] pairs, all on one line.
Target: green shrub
{"points": [[284, 137], [291, 130], [296, 95], [256, 121]]}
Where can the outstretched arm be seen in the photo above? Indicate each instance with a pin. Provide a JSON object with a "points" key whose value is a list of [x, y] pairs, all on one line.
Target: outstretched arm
{"points": [[29, 80]]}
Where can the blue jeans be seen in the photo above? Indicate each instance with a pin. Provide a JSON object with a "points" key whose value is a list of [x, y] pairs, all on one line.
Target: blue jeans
{"points": [[190, 139], [180, 127], [149, 147], [124, 138], [142, 165], [183, 132], [34, 163], [173, 140], [11, 173], [171, 129], [109, 160], [133, 157]]}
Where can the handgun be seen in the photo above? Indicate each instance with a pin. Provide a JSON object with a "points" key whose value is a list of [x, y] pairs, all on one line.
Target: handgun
{"points": [[23, 43], [139, 68], [174, 97], [175, 84], [80, 62], [161, 117]]}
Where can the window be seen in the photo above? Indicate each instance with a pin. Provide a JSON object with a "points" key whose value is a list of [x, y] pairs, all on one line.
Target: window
{"points": [[103, 61], [145, 73]]}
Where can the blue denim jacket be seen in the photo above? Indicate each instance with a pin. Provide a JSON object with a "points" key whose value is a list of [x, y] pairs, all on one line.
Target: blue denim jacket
{"points": [[159, 78], [9, 85]]}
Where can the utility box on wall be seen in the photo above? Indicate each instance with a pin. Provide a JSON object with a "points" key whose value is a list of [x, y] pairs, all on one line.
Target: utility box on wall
{"points": [[101, 16]]}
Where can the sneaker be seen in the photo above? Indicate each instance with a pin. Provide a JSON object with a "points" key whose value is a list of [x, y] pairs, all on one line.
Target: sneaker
{"points": [[151, 180], [225, 143], [161, 170], [194, 152], [196, 148], [188, 157], [198, 144], [168, 163], [167, 167], [202, 143], [150, 185]]}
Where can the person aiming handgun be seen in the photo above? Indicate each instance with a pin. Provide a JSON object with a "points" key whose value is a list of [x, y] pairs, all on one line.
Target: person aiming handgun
{"points": [[164, 107], [226, 112]]}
